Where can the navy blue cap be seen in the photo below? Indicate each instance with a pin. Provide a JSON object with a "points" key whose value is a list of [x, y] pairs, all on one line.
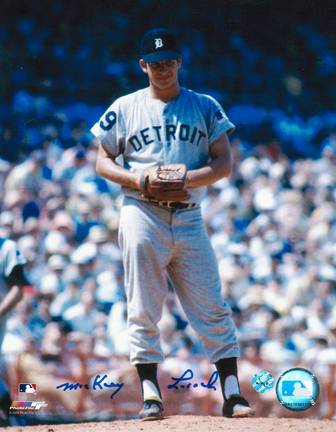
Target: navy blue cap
{"points": [[159, 44]]}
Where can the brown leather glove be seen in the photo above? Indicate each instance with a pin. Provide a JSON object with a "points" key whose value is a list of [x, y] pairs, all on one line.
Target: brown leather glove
{"points": [[164, 183]]}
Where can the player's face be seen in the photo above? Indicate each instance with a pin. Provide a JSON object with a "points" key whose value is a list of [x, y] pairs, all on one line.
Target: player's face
{"points": [[162, 74]]}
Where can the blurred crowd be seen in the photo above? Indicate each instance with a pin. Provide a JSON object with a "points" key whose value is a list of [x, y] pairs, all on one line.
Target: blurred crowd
{"points": [[273, 224], [61, 63]]}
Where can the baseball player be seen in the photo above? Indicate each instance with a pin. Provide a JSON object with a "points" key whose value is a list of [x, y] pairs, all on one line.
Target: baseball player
{"points": [[12, 280], [173, 143]]}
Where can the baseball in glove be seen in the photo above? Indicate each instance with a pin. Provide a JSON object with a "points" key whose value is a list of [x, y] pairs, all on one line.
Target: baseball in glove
{"points": [[164, 183]]}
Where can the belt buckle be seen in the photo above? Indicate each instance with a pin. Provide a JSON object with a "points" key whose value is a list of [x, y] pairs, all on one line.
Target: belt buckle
{"points": [[163, 203]]}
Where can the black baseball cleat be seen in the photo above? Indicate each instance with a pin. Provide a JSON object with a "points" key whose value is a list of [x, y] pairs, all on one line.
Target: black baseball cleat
{"points": [[152, 410], [237, 406]]}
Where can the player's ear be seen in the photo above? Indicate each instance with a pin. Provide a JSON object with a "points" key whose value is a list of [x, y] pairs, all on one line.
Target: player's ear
{"points": [[143, 66]]}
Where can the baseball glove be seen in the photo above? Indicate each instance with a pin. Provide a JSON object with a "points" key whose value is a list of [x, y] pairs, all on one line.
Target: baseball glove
{"points": [[164, 182]]}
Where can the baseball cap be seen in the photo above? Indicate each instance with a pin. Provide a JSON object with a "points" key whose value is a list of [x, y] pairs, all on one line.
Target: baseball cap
{"points": [[159, 44]]}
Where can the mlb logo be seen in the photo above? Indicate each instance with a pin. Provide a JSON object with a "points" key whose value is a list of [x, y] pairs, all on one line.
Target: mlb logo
{"points": [[27, 388], [297, 388]]}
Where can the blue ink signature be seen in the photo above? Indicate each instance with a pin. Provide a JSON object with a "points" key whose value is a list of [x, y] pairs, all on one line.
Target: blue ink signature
{"points": [[187, 376], [98, 384]]}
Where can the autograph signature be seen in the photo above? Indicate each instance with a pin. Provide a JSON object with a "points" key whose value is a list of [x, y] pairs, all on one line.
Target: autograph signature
{"points": [[187, 376], [98, 384]]}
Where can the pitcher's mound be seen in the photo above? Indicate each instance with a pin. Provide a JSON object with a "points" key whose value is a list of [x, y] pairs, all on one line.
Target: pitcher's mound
{"points": [[192, 424]]}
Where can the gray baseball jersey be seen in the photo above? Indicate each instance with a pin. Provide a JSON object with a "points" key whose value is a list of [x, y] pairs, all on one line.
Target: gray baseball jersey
{"points": [[10, 257], [148, 131]]}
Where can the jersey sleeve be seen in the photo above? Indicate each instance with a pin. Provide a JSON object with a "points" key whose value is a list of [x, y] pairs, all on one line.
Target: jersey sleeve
{"points": [[218, 121], [110, 130], [12, 258]]}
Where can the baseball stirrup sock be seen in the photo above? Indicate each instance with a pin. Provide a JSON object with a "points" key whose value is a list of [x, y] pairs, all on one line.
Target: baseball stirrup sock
{"points": [[228, 375], [149, 384]]}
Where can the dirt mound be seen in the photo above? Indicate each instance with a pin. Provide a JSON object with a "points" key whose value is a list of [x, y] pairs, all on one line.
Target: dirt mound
{"points": [[191, 424]]}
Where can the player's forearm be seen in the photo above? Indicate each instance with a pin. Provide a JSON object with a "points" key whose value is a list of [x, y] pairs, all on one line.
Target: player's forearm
{"points": [[209, 174], [108, 169], [10, 300]]}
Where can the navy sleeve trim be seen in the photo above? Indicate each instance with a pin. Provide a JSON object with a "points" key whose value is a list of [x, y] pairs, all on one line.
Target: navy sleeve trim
{"points": [[17, 276]]}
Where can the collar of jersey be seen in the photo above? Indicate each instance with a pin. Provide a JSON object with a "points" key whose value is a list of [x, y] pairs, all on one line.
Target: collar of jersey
{"points": [[160, 100]]}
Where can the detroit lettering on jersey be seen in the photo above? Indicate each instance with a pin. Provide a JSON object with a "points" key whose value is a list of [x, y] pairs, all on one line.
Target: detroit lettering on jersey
{"points": [[167, 133]]}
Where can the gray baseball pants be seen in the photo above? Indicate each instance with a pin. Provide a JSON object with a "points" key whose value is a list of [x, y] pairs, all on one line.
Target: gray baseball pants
{"points": [[155, 242]]}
